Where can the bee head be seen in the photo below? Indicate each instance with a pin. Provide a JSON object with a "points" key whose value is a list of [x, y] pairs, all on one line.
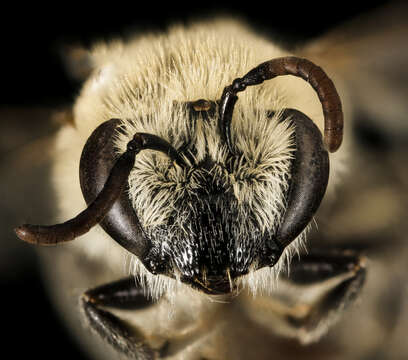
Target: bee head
{"points": [[209, 213], [209, 222]]}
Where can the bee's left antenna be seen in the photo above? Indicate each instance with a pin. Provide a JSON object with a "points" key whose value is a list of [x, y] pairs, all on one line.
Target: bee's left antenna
{"points": [[289, 65]]}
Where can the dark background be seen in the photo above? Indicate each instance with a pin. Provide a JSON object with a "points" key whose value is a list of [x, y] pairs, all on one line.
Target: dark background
{"points": [[33, 75], [32, 35]]}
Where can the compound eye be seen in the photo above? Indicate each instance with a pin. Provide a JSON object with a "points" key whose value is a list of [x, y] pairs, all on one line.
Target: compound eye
{"points": [[309, 178], [97, 160], [103, 178], [311, 166]]}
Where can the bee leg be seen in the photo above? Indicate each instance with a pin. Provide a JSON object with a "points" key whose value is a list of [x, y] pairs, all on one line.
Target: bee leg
{"points": [[125, 294], [320, 286]]}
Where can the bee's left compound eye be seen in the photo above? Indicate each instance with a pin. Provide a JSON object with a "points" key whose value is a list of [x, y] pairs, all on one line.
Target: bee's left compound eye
{"points": [[310, 170], [309, 178]]}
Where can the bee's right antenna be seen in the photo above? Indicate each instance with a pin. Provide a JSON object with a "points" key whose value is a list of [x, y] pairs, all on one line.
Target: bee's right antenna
{"points": [[98, 208]]}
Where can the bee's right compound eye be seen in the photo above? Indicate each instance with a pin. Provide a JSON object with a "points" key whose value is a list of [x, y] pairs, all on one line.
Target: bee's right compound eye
{"points": [[97, 160], [109, 189], [103, 179], [121, 222]]}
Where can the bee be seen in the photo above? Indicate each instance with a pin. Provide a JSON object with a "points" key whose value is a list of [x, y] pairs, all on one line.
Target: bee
{"points": [[203, 158]]}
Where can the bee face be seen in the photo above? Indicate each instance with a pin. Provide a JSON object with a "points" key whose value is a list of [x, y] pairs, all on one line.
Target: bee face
{"points": [[206, 230], [211, 219], [217, 214], [227, 204]]}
